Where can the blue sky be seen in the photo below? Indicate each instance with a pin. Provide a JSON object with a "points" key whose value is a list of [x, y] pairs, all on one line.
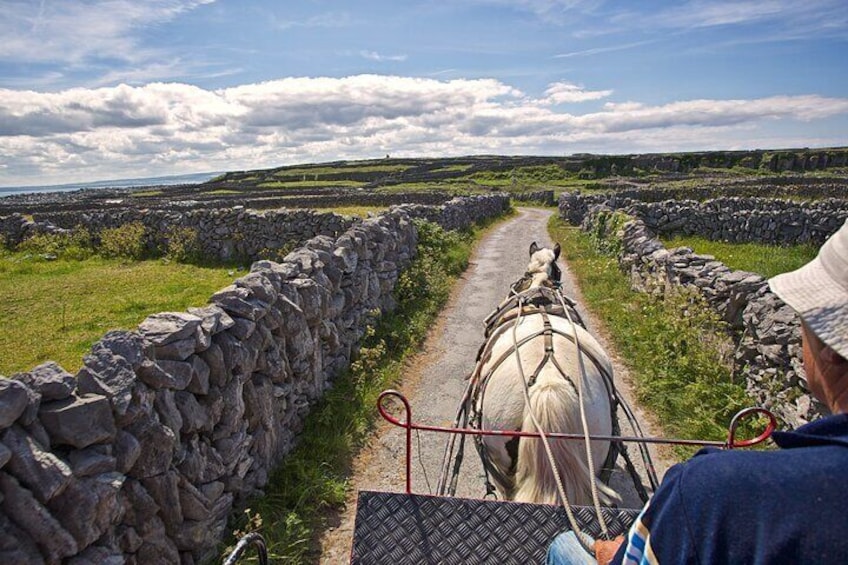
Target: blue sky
{"points": [[122, 88]]}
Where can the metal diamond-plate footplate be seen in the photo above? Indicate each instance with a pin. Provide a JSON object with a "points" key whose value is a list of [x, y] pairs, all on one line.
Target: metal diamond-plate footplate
{"points": [[394, 528]]}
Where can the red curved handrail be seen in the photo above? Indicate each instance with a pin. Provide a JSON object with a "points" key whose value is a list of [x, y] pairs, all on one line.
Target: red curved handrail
{"points": [[408, 425]]}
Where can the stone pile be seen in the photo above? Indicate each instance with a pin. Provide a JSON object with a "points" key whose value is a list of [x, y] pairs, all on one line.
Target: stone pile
{"points": [[765, 330], [142, 456]]}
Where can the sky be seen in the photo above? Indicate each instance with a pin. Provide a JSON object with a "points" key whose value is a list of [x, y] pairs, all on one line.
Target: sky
{"points": [[106, 89]]}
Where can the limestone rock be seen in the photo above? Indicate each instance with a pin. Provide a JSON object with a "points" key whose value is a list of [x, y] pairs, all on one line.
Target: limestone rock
{"points": [[94, 460], [157, 444], [16, 546], [50, 380], [79, 421], [168, 327], [108, 375], [214, 318], [127, 451], [163, 489], [22, 507], [89, 506], [13, 401], [41, 471]]}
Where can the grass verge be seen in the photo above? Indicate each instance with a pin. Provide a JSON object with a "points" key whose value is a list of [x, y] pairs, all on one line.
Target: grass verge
{"points": [[313, 477], [55, 310], [765, 260], [675, 347]]}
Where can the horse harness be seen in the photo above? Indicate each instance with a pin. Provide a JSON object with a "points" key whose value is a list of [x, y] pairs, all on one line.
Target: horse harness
{"points": [[547, 300]]}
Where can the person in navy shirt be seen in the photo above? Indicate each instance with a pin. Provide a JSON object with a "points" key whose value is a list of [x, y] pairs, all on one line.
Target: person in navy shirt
{"points": [[781, 506]]}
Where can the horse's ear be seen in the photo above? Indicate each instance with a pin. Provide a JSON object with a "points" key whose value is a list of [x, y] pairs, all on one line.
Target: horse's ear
{"points": [[533, 248], [557, 249]]}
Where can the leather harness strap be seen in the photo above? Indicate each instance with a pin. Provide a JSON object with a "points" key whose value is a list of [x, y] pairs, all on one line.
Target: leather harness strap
{"points": [[497, 323]]}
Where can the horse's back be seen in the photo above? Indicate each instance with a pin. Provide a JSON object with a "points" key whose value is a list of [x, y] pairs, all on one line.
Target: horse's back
{"points": [[504, 389]]}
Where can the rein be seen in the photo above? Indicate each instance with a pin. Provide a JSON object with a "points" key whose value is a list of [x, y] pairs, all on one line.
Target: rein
{"points": [[542, 300], [545, 300]]}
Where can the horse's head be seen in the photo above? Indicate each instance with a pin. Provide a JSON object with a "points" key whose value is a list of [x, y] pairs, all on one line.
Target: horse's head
{"points": [[543, 269]]}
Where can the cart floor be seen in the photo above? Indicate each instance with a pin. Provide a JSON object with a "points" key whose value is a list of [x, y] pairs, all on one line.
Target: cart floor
{"points": [[394, 528]]}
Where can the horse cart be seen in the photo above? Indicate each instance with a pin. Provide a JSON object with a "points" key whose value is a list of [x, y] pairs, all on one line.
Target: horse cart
{"points": [[542, 409]]}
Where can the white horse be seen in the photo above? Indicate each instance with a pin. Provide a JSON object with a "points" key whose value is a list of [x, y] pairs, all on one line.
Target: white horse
{"points": [[532, 355]]}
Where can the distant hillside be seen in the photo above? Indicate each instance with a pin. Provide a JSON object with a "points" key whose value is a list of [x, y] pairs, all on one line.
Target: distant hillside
{"points": [[389, 172], [803, 173]]}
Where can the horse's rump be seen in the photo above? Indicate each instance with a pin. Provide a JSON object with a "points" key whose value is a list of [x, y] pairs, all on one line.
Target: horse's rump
{"points": [[546, 347]]}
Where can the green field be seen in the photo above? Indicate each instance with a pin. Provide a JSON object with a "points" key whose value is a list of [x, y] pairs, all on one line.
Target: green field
{"points": [[55, 310], [318, 171], [765, 260], [676, 349], [310, 183]]}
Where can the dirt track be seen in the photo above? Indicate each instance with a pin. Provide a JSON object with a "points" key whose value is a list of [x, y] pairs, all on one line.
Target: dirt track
{"points": [[435, 381]]}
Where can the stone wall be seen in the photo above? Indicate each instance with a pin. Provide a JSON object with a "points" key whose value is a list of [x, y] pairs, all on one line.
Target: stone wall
{"points": [[142, 455], [222, 234], [239, 233], [544, 197], [461, 212], [765, 330], [735, 219]]}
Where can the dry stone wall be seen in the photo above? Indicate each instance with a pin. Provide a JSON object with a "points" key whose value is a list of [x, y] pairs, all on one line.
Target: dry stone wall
{"points": [[766, 331], [544, 197], [736, 219], [237, 232], [222, 233], [142, 456]]}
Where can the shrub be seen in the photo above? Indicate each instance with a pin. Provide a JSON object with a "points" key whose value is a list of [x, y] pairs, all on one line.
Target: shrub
{"points": [[605, 232], [70, 244], [182, 245], [441, 255], [279, 253], [127, 241]]}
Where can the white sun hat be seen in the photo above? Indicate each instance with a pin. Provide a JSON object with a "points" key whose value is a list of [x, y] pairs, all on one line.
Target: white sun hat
{"points": [[818, 291]]}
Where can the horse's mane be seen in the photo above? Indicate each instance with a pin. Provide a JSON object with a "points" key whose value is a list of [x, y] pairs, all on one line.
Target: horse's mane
{"points": [[540, 260]]}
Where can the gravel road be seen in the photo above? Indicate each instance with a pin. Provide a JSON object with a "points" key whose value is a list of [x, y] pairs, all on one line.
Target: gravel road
{"points": [[435, 381]]}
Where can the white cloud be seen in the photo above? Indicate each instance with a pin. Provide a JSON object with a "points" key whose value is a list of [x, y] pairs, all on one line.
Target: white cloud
{"points": [[699, 13], [73, 32], [325, 20], [564, 92], [782, 19], [597, 50], [556, 12], [168, 128], [374, 56]]}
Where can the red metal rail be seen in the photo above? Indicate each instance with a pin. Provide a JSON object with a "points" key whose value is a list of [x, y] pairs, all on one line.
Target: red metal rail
{"points": [[408, 425]]}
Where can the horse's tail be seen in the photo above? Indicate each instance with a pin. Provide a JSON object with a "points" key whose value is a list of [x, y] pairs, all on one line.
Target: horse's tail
{"points": [[554, 403]]}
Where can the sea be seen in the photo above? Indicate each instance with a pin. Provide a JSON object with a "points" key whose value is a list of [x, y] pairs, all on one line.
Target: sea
{"points": [[192, 178]]}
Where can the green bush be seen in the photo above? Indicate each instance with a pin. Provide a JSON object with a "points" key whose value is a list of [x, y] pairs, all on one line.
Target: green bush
{"points": [[73, 244], [126, 241], [182, 245], [605, 232], [442, 254], [279, 253], [687, 359]]}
